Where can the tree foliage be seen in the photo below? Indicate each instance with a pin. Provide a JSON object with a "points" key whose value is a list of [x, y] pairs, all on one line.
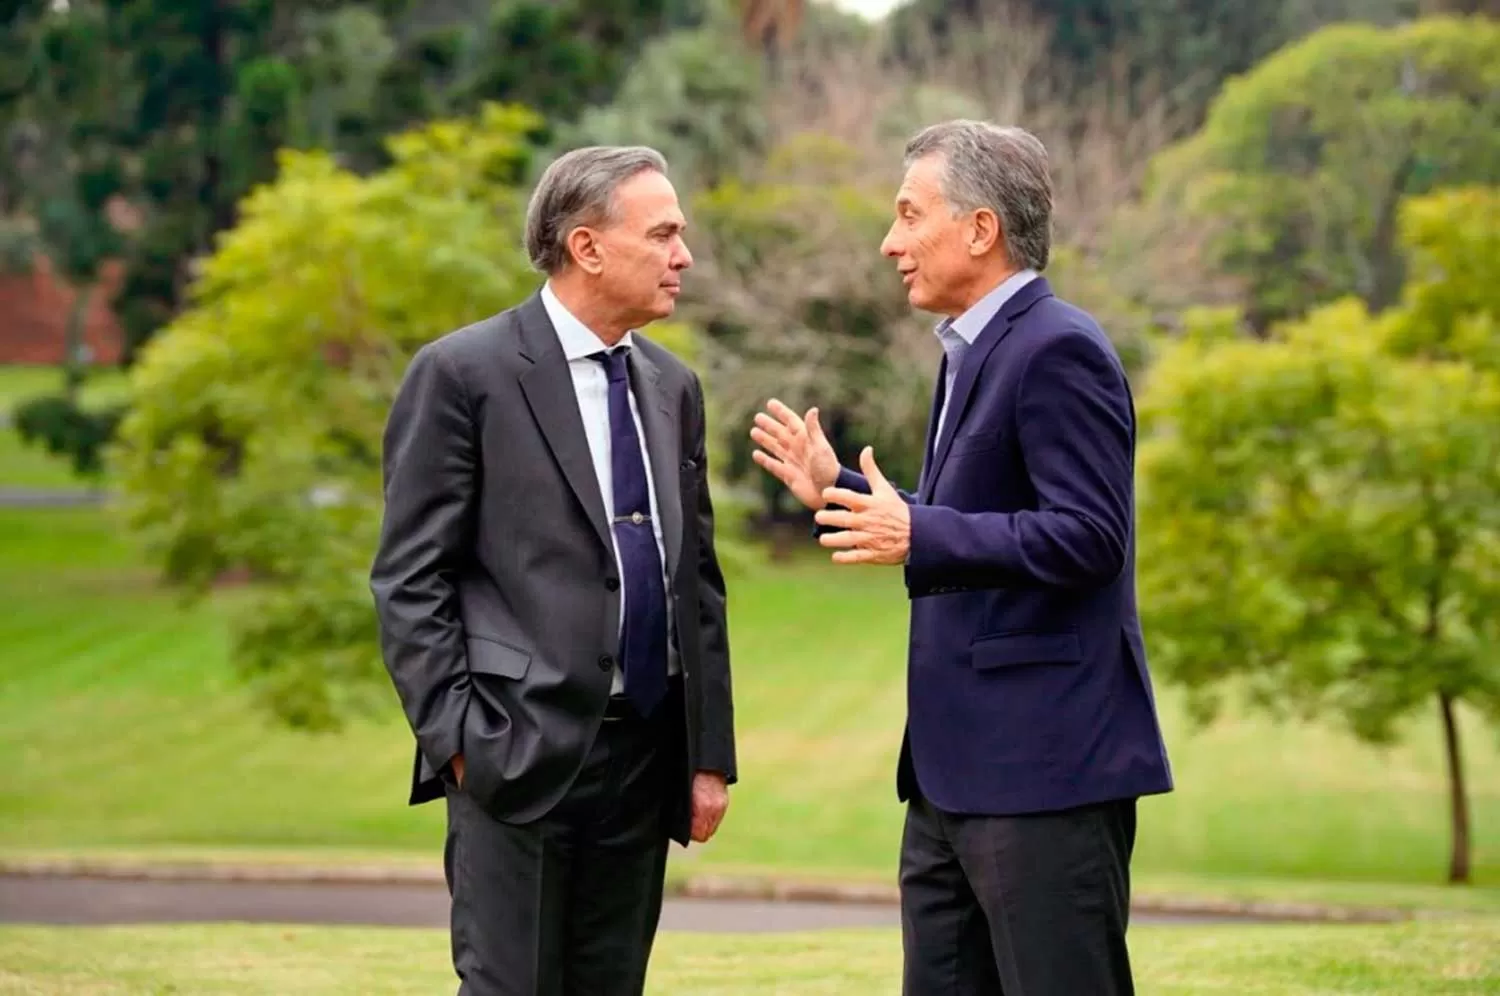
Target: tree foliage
{"points": [[1301, 165], [1321, 510], [797, 302], [62, 172], [1182, 50], [252, 445], [696, 96]]}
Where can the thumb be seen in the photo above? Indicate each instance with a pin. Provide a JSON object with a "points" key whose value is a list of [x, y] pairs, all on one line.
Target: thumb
{"points": [[871, 471], [814, 427]]}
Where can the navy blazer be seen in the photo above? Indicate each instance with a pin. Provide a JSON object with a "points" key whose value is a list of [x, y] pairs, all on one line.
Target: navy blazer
{"points": [[1027, 685]]}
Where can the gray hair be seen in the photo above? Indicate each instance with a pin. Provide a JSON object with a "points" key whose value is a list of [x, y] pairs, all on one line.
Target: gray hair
{"points": [[1000, 168], [578, 188]]}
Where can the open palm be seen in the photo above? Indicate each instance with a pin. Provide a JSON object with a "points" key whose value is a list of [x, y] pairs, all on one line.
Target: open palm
{"points": [[794, 450]]}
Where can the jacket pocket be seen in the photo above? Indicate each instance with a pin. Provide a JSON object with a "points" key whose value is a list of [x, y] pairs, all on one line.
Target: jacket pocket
{"points": [[488, 656], [984, 441], [1011, 649]]}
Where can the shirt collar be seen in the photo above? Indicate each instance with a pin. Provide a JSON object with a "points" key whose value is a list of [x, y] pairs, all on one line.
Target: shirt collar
{"points": [[577, 339], [972, 322]]}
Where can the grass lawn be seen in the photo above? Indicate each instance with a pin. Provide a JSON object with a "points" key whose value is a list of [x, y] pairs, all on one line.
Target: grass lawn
{"points": [[1430, 958], [121, 729], [21, 382]]}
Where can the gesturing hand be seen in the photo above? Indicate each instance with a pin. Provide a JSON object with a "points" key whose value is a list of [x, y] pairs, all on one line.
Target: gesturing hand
{"points": [[794, 450], [877, 526]]}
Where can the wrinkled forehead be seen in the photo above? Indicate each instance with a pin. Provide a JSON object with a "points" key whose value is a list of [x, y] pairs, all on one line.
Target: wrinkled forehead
{"points": [[922, 186], [648, 201]]}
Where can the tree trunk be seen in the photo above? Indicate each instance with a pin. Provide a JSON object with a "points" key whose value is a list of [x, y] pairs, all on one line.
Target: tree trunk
{"points": [[1458, 866], [1386, 262], [73, 342]]}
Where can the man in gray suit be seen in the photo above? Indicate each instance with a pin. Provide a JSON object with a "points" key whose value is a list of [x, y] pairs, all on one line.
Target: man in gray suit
{"points": [[551, 608]]}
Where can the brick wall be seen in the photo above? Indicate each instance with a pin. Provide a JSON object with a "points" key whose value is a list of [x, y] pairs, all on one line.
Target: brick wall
{"points": [[34, 309]]}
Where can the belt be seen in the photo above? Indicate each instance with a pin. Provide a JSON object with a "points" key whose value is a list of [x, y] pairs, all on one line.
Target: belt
{"points": [[619, 707]]}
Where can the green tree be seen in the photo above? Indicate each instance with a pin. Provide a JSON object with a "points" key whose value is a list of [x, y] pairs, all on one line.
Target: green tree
{"points": [[1179, 50], [252, 443], [796, 302], [1321, 510], [697, 96], [1301, 165], [561, 56], [59, 103]]}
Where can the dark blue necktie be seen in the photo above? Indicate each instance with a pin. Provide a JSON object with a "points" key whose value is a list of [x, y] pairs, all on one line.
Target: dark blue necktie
{"points": [[643, 644]]}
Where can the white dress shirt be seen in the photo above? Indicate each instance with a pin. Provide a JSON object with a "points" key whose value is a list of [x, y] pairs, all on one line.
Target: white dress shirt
{"points": [[591, 385]]}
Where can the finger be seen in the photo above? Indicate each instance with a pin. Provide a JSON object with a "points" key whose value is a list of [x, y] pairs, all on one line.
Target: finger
{"points": [[837, 518], [844, 540], [783, 472], [814, 424], [854, 556], [871, 469], [769, 442], [786, 416], [764, 423], [849, 499]]}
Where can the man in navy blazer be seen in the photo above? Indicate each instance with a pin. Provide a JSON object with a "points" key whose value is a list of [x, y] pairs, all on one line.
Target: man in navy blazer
{"points": [[1031, 728]]}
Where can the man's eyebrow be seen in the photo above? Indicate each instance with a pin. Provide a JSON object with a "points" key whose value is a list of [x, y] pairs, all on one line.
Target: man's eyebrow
{"points": [[669, 226]]}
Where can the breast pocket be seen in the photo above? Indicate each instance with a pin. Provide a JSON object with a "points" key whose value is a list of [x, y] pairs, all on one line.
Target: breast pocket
{"points": [[975, 442]]}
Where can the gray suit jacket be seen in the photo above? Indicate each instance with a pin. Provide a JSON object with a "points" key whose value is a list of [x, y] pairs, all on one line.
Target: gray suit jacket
{"points": [[495, 584]]}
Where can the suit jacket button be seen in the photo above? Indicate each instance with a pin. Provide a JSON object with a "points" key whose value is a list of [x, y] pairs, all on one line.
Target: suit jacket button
{"points": [[613, 584], [606, 662]]}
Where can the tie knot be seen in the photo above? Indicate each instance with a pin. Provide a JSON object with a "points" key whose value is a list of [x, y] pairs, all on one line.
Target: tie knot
{"points": [[613, 361]]}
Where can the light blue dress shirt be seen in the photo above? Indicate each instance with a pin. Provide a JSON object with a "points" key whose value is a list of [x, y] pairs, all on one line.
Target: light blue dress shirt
{"points": [[591, 386], [958, 334]]}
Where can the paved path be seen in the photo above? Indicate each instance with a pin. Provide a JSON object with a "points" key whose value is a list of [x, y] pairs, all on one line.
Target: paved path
{"points": [[15, 497], [80, 900]]}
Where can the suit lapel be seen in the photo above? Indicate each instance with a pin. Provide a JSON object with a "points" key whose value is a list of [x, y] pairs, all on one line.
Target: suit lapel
{"points": [[932, 421], [548, 386], [663, 447], [968, 371]]}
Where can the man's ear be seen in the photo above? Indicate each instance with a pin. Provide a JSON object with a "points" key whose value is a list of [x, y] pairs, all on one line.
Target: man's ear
{"points": [[585, 250], [984, 232]]}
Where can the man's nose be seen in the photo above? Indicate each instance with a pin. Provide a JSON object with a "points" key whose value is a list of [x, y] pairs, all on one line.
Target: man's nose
{"points": [[683, 258], [889, 246]]}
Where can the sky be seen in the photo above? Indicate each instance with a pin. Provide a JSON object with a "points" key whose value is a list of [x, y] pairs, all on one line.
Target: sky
{"points": [[869, 8]]}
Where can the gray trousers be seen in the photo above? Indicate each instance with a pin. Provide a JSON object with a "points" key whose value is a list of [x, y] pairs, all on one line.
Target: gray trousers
{"points": [[568, 905], [1017, 905]]}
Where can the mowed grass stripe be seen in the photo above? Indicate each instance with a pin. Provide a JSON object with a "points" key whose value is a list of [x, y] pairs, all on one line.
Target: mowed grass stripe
{"points": [[1452, 958], [122, 726]]}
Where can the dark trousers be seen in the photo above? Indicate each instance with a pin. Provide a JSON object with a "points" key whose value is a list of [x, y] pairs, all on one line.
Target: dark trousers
{"points": [[1017, 905], [568, 905]]}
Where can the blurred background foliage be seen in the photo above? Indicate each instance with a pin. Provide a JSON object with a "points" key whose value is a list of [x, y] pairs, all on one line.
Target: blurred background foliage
{"points": [[1283, 213]]}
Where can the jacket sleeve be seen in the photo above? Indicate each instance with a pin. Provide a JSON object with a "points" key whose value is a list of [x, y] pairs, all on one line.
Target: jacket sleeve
{"points": [[716, 747], [1077, 438], [428, 463]]}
